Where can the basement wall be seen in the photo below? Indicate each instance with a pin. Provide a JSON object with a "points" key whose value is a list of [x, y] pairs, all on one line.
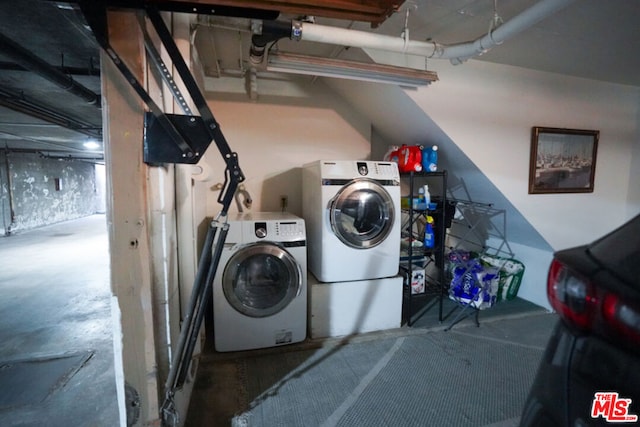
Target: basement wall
{"points": [[488, 110], [44, 191], [481, 115], [291, 123]]}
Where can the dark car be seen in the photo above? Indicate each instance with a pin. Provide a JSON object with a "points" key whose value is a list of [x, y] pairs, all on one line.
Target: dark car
{"points": [[590, 372]]}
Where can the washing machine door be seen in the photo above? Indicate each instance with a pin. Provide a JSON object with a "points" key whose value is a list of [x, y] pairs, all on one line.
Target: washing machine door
{"points": [[362, 214], [260, 279]]}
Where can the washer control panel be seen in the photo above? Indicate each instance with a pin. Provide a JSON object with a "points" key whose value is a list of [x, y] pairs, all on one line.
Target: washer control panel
{"points": [[282, 230], [292, 229]]}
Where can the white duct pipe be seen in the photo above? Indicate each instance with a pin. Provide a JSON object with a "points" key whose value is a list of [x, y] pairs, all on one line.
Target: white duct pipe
{"points": [[456, 53]]}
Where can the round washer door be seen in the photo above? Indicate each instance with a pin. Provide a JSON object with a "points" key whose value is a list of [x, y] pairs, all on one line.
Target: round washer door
{"points": [[362, 214], [260, 279]]}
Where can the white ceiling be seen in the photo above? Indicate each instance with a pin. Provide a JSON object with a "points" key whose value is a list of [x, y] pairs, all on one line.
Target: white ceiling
{"points": [[593, 39]]}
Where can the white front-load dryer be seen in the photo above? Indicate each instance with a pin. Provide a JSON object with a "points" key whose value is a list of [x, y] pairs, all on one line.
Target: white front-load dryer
{"points": [[260, 287], [352, 213]]}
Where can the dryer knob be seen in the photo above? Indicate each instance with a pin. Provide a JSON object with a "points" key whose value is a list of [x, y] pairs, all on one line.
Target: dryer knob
{"points": [[362, 168], [261, 233]]}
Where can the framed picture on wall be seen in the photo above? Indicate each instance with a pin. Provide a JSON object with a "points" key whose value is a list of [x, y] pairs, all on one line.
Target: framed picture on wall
{"points": [[562, 160]]}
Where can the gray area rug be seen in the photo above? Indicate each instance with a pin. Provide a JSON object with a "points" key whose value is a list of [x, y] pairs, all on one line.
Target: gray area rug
{"points": [[32, 381], [465, 377]]}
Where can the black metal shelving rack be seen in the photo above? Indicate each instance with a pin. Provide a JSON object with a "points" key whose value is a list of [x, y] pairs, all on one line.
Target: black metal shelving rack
{"points": [[434, 286]]}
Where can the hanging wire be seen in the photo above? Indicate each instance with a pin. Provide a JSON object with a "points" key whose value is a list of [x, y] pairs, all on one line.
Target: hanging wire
{"points": [[495, 22], [405, 31]]}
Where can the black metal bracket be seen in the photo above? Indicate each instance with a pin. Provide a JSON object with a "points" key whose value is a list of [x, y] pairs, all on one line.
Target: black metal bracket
{"points": [[170, 138], [158, 146]]}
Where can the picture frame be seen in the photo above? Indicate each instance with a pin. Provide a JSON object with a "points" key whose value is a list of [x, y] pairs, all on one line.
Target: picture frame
{"points": [[562, 160]]}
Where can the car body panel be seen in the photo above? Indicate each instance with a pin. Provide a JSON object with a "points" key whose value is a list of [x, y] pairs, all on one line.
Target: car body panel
{"points": [[581, 361], [619, 252]]}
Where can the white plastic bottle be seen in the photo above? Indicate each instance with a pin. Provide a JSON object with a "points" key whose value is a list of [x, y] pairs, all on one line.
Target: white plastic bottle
{"points": [[427, 196], [419, 203]]}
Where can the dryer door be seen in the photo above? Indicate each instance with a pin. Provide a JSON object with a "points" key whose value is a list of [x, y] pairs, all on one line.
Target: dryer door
{"points": [[260, 279], [362, 214]]}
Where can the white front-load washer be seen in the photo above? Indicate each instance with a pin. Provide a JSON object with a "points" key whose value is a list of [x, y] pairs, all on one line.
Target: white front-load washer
{"points": [[260, 286], [352, 213]]}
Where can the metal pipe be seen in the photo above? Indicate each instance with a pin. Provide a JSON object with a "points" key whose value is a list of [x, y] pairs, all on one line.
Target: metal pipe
{"points": [[59, 147], [270, 32], [456, 53], [20, 103], [12, 210], [71, 71], [536, 13], [31, 62]]}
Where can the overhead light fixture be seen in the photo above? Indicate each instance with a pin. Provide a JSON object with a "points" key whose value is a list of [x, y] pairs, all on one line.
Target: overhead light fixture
{"points": [[329, 67], [91, 145], [64, 6]]}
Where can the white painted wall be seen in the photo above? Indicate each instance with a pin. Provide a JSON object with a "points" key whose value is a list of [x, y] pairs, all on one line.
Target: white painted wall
{"points": [[485, 111], [533, 287], [488, 111], [288, 126]]}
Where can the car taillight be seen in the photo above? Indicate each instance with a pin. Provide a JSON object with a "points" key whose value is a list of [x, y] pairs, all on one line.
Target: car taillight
{"points": [[572, 296], [590, 308], [624, 318]]}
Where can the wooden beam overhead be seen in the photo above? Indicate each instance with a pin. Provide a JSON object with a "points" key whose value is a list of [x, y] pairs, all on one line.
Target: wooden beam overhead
{"points": [[372, 11]]}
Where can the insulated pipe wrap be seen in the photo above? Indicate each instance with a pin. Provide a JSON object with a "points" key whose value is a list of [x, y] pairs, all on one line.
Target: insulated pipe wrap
{"points": [[365, 40], [456, 53], [536, 13]]}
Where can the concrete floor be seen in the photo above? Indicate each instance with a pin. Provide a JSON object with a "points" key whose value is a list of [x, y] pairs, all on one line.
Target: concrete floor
{"points": [[421, 376], [410, 376], [55, 301]]}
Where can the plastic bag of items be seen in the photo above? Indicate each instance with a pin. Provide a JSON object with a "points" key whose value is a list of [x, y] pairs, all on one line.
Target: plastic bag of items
{"points": [[472, 283], [511, 272]]}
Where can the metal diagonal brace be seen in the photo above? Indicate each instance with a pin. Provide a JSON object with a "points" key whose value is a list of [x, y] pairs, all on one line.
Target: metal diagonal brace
{"points": [[233, 174], [202, 293], [186, 135], [190, 135], [181, 132], [95, 13]]}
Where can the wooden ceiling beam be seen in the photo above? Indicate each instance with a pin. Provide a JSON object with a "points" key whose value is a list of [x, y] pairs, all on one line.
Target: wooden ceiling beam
{"points": [[372, 11]]}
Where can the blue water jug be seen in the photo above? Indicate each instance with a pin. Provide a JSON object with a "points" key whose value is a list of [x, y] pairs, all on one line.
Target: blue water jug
{"points": [[430, 159]]}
